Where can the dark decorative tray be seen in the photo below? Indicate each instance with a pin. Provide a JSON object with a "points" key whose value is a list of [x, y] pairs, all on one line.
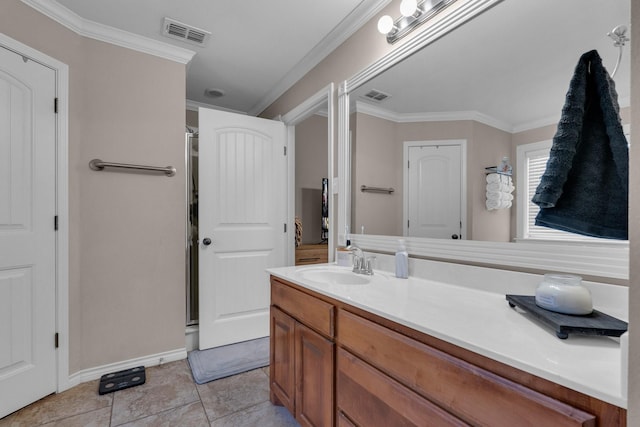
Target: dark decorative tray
{"points": [[596, 323]]}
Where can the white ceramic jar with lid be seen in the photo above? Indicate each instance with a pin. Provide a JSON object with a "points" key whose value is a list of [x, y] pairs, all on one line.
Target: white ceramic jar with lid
{"points": [[564, 293]]}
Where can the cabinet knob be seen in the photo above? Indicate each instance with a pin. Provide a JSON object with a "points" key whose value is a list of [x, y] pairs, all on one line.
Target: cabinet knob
{"points": [[206, 241]]}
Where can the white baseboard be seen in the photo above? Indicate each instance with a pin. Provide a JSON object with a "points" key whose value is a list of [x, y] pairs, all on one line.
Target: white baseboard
{"points": [[147, 361], [192, 337]]}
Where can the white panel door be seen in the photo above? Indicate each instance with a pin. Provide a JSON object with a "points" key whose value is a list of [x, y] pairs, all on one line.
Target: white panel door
{"points": [[434, 193], [27, 235], [241, 211]]}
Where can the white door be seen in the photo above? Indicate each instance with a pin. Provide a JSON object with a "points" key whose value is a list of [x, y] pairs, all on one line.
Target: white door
{"points": [[434, 191], [27, 235], [242, 205]]}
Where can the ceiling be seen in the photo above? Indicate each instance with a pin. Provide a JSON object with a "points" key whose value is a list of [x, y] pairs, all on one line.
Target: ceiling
{"points": [[257, 49], [512, 64]]}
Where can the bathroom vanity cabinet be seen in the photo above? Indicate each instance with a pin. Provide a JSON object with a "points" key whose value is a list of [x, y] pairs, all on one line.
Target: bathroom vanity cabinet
{"points": [[333, 363], [302, 355]]}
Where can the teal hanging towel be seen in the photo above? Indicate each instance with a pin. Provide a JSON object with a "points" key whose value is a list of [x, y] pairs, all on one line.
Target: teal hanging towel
{"points": [[585, 186]]}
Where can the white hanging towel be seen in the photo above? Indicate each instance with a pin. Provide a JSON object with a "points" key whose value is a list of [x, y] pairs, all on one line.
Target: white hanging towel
{"points": [[493, 177]]}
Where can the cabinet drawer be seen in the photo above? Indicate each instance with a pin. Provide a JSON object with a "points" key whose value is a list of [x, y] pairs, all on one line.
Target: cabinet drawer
{"points": [[311, 254], [473, 394], [370, 398], [314, 313]]}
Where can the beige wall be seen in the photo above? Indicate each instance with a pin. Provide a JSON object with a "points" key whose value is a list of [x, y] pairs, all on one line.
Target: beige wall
{"points": [[126, 248], [487, 147], [376, 162], [311, 167], [192, 118]]}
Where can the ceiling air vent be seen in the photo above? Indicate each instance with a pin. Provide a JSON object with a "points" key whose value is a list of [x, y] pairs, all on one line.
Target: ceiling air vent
{"points": [[376, 95], [178, 30]]}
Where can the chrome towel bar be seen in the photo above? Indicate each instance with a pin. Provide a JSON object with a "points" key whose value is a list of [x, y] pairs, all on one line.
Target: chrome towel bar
{"points": [[364, 188], [98, 165]]}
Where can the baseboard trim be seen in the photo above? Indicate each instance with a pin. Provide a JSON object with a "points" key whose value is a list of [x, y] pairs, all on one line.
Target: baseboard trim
{"points": [[96, 372], [192, 337]]}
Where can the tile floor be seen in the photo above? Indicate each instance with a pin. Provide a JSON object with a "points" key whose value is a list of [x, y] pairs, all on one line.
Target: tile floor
{"points": [[169, 397]]}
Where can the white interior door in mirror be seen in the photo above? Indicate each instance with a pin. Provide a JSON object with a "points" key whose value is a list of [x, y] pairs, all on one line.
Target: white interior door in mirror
{"points": [[433, 194], [27, 235], [241, 213]]}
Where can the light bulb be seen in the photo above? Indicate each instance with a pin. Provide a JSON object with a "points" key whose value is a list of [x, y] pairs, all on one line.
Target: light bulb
{"points": [[408, 7], [385, 24]]}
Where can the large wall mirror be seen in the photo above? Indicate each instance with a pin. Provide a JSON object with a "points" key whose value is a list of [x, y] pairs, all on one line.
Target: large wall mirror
{"points": [[482, 84]]}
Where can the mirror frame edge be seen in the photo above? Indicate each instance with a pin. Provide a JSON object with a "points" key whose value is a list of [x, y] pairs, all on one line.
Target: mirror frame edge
{"points": [[606, 261], [290, 119]]}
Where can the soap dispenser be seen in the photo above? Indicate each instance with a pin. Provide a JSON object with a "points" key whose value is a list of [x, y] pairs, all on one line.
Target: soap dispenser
{"points": [[402, 261]]}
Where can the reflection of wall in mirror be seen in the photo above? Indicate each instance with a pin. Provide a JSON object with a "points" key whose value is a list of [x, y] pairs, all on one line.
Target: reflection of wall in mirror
{"points": [[488, 147], [311, 167], [376, 162]]}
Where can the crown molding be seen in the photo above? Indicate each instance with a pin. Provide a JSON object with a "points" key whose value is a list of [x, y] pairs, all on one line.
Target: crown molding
{"points": [[452, 116], [445, 116], [537, 124], [104, 33], [362, 14], [194, 105]]}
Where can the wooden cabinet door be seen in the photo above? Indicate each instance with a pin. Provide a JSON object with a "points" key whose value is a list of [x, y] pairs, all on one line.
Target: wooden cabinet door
{"points": [[314, 378], [282, 366]]}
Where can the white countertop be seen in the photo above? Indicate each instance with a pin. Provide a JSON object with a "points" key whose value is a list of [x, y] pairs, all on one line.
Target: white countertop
{"points": [[483, 322]]}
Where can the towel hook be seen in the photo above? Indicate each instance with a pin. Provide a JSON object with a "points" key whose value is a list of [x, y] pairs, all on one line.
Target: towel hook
{"points": [[619, 37]]}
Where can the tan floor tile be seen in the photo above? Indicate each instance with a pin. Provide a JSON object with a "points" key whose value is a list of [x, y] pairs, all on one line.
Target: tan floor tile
{"points": [[191, 415], [168, 398], [97, 418], [228, 395], [167, 386], [80, 399], [263, 415]]}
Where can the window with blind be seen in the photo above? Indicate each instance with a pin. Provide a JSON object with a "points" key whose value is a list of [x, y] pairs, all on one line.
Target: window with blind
{"points": [[532, 162]]}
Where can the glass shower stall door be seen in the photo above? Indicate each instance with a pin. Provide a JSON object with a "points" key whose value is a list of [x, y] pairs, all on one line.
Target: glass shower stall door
{"points": [[191, 159]]}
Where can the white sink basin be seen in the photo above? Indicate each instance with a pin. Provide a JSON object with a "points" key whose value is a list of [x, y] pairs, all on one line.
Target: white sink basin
{"points": [[334, 276]]}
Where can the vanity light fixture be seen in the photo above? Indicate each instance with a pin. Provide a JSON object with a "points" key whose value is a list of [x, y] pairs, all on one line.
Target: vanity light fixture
{"points": [[414, 13]]}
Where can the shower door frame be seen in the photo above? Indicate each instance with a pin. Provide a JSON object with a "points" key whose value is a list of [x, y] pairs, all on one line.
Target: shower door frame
{"points": [[191, 281]]}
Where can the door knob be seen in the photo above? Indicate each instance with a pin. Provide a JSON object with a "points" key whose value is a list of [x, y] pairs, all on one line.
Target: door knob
{"points": [[206, 241], [455, 236]]}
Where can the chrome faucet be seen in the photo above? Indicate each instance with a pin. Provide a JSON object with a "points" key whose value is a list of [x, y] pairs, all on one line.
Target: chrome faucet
{"points": [[361, 264]]}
